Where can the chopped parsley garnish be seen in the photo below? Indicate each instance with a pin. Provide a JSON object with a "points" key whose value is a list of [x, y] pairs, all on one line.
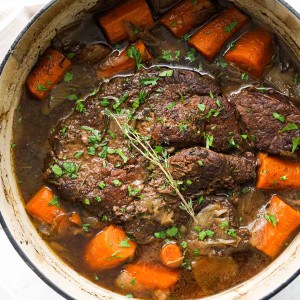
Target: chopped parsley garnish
{"points": [[191, 55], [80, 106], [244, 136], [104, 102], [271, 218], [117, 182], [68, 77], [129, 296], [97, 198], [150, 81], [284, 177], [70, 169], [168, 56], [173, 24], [101, 185], [289, 127], [72, 97], [124, 243], [244, 76], [56, 170], [188, 182], [85, 227], [296, 142], [167, 73], [170, 105], [41, 87], [70, 55], [224, 224], [86, 201], [172, 232], [231, 26], [134, 53], [200, 163], [54, 202], [118, 102], [209, 140], [78, 154], [200, 199], [133, 191], [222, 63], [182, 126], [278, 117], [201, 107], [231, 232], [205, 233]]}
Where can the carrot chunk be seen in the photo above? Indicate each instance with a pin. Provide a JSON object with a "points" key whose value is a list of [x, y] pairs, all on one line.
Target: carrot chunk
{"points": [[48, 71], [135, 11], [213, 36], [186, 15], [108, 249], [75, 218], [277, 173], [270, 236], [42, 206], [153, 276], [118, 63], [252, 52], [171, 256]]}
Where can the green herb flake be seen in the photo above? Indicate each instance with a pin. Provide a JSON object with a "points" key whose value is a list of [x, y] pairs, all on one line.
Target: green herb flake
{"points": [[85, 227], [296, 143], [188, 182], [129, 296], [167, 73], [296, 78], [224, 224], [231, 232], [86, 201], [56, 170], [54, 202], [150, 81], [72, 97], [132, 282], [71, 55], [271, 218], [97, 198], [284, 177], [41, 87], [104, 102], [160, 235], [200, 162], [205, 233], [244, 136], [201, 107], [124, 243], [231, 26], [244, 76], [135, 54], [200, 199], [172, 232], [68, 77], [133, 191], [278, 117], [170, 105], [289, 127], [78, 154], [117, 182], [101, 185], [191, 55]]}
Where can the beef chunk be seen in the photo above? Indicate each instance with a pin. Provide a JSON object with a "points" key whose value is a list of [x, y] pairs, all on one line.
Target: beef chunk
{"points": [[202, 169], [259, 114]]}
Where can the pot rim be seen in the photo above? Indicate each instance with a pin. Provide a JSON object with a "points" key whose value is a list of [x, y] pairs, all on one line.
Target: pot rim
{"points": [[10, 237]]}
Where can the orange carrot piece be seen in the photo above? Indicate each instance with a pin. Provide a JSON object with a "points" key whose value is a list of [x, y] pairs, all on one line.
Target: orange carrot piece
{"points": [[75, 218], [153, 276], [171, 255], [135, 11], [252, 52], [108, 249], [213, 36], [40, 206], [122, 62], [277, 173], [48, 71], [270, 239], [186, 15]]}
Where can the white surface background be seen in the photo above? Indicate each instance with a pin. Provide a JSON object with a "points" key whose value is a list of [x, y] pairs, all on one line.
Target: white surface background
{"points": [[17, 280]]}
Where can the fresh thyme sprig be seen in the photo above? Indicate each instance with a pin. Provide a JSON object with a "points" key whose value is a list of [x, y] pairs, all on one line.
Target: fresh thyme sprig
{"points": [[142, 145]]}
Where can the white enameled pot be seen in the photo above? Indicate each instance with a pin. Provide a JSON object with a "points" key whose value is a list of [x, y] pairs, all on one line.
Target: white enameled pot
{"points": [[23, 54]]}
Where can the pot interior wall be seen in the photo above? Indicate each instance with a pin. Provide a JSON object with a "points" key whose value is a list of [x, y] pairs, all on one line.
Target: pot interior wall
{"points": [[14, 218]]}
